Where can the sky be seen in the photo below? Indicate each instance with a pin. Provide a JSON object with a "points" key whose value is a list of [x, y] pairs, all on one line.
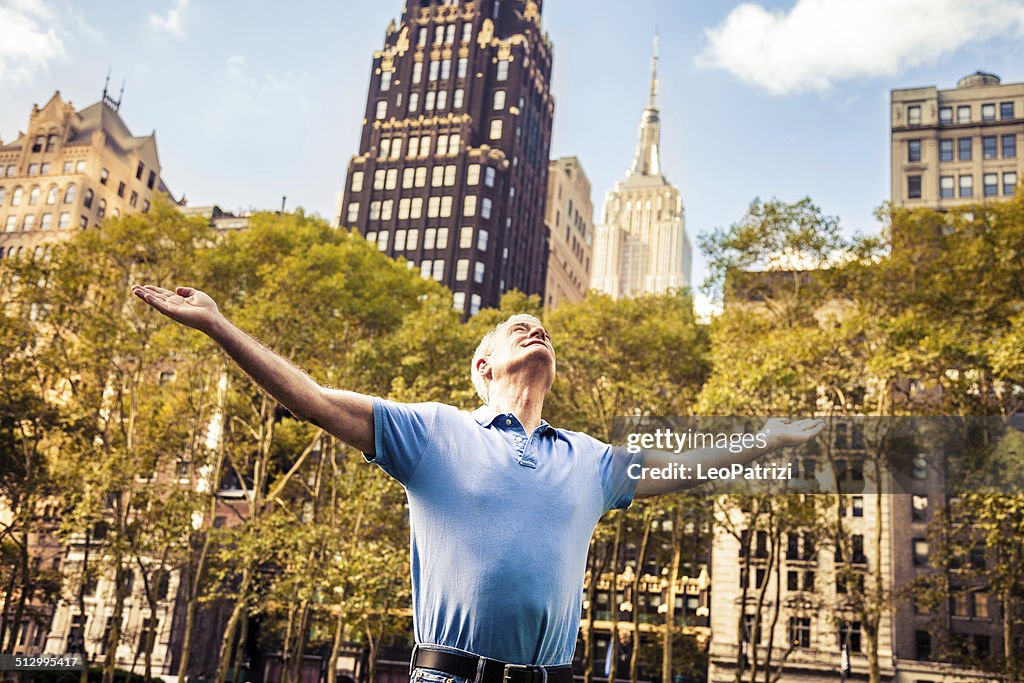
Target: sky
{"points": [[253, 100]]}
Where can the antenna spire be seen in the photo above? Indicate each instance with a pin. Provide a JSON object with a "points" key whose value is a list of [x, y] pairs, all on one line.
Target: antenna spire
{"points": [[654, 71]]}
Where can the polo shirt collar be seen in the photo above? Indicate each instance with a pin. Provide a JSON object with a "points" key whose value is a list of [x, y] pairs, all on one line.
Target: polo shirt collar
{"points": [[485, 416]]}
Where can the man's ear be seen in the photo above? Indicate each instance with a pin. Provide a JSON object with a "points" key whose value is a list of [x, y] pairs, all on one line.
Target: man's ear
{"points": [[484, 368]]}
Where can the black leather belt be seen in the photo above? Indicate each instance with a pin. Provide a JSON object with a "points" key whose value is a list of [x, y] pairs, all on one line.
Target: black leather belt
{"points": [[495, 671]]}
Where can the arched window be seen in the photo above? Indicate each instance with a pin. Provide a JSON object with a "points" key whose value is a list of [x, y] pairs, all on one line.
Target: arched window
{"points": [[51, 142], [51, 195], [33, 196], [38, 252], [116, 213], [69, 194], [101, 209], [16, 197], [88, 199]]}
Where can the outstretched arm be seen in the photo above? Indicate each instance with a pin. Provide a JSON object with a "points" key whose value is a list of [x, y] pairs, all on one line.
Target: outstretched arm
{"points": [[777, 432], [345, 414]]}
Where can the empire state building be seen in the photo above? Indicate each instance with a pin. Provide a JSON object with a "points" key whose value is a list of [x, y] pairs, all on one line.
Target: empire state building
{"points": [[641, 247]]}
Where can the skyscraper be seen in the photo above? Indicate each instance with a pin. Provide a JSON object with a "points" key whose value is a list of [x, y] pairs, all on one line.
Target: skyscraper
{"points": [[641, 247], [451, 171]]}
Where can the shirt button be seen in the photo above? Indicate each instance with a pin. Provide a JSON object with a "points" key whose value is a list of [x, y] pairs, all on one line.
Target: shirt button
{"points": [[508, 422]]}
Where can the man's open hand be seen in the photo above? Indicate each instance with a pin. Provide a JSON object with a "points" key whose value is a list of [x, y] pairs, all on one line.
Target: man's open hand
{"points": [[780, 432], [185, 305]]}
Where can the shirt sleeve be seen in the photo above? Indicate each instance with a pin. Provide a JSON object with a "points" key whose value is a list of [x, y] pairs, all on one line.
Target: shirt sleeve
{"points": [[401, 433], [616, 465]]}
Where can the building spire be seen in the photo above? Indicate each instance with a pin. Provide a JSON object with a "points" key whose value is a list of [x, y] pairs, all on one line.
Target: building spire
{"points": [[646, 161], [654, 72]]}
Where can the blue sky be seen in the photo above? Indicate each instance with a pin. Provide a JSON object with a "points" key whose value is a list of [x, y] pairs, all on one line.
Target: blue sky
{"points": [[253, 99]]}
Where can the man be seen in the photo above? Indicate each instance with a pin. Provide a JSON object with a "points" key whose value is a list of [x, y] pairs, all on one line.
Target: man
{"points": [[502, 505]]}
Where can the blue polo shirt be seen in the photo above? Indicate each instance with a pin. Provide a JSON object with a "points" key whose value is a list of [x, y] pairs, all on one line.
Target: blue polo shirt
{"points": [[500, 523]]}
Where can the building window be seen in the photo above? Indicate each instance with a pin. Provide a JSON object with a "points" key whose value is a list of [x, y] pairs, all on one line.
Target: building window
{"points": [[920, 549], [1006, 110], [33, 169], [30, 222], [462, 270], [353, 213], [474, 304], [438, 35], [382, 239], [502, 75], [945, 150], [459, 298], [437, 176], [469, 205], [421, 176], [80, 167], [988, 147], [990, 184], [433, 70], [408, 174], [442, 238], [800, 632], [10, 224], [44, 169], [403, 209], [417, 73], [413, 238], [449, 175], [378, 178], [438, 270], [913, 187], [385, 81], [449, 34], [478, 272], [485, 207], [375, 211], [139, 170], [430, 101], [849, 635], [446, 207], [858, 506], [913, 150], [457, 98], [46, 222], [425, 267], [466, 238], [104, 176], [433, 207], [391, 180], [400, 239], [979, 601], [963, 114], [382, 110], [481, 240], [152, 180], [16, 196], [945, 114], [988, 112], [70, 193], [495, 132], [396, 148], [2, 195], [11, 170], [1009, 146], [1010, 183], [499, 100], [966, 186], [416, 210], [922, 645], [51, 196], [467, 32], [919, 508], [87, 201], [357, 181], [442, 99], [421, 38], [964, 149], [446, 69], [64, 220], [120, 189], [489, 175], [473, 174], [442, 145], [454, 143], [69, 168], [33, 196]]}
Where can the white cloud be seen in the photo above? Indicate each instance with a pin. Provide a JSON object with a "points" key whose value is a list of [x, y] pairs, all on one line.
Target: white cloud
{"points": [[170, 22], [818, 43], [29, 39], [238, 71]]}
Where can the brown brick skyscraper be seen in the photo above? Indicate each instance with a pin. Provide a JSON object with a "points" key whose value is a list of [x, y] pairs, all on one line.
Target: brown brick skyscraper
{"points": [[451, 171]]}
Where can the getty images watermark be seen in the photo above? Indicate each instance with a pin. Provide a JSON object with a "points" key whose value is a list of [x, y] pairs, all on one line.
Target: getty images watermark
{"points": [[850, 455], [670, 441]]}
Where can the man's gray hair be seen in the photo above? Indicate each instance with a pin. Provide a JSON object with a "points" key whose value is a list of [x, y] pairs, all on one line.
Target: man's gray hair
{"points": [[486, 347]]}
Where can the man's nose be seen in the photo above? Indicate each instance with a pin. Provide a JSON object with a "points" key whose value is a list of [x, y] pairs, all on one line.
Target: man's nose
{"points": [[538, 332]]}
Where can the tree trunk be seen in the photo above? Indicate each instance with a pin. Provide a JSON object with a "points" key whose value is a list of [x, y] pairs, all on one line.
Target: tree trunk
{"points": [[613, 642], [83, 676], [332, 662], [239, 658], [634, 656], [670, 613], [231, 629], [110, 661]]}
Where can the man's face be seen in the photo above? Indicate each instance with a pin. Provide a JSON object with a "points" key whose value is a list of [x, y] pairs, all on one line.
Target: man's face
{"points": [[524, 346]]}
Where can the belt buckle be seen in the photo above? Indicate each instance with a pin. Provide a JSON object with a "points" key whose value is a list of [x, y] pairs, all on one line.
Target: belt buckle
{"points": [[524, 667]]}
